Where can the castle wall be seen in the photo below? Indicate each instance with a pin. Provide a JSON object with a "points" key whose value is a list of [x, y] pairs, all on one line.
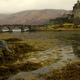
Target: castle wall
{"points": [[69, 18], [76, 13]]}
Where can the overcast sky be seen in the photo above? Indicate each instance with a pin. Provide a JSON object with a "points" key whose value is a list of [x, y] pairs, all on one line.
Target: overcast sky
{"points": [[10, 6]]}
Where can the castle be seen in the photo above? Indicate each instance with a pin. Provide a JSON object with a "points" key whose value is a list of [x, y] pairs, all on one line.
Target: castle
{"points": [[73, 17], [76, 10], [76, 13]]}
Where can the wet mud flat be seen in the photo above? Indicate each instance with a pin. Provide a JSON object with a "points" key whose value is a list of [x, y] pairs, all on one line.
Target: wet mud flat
{"points": [[52, 53]]}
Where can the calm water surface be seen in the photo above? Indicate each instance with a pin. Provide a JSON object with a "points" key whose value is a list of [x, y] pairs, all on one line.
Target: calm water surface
{"points": [[64, 36]]}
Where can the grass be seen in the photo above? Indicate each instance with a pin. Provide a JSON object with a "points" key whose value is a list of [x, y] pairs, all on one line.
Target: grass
{"points": [[50, 26], [68, 24], [65, 24]]}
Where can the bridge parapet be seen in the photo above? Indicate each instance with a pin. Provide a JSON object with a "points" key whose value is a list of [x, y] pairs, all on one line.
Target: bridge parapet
{"points": [[20, 26]]}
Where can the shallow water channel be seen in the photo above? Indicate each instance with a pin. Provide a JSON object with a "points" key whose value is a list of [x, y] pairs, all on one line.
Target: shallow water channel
{"points": [[59, 49]]}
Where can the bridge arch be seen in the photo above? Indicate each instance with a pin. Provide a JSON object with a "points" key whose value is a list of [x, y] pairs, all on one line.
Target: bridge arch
{"points": [[16, 28], [5, 29]]}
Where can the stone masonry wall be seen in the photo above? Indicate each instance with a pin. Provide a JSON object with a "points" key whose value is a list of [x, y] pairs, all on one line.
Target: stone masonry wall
{"points": [[76, 13]]}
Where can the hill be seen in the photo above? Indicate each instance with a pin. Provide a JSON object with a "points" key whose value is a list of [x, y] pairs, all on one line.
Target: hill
{"points": [[31, 16]]}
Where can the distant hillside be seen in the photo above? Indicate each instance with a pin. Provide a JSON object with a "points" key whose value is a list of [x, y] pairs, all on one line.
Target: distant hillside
{"points": [[31, 16]]}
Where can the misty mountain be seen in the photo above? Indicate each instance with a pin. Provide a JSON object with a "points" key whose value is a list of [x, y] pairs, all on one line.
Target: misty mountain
{"points": [[31, 16]]}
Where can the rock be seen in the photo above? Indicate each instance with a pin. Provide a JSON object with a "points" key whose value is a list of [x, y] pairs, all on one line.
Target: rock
{"points": [[4, 47]]}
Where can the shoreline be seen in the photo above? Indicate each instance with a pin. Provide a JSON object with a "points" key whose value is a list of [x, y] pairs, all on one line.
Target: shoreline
{"points": [[59, 29], [48, 29]]}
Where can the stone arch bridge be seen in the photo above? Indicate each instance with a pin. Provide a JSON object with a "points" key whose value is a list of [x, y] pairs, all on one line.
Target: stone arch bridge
{"points": [[22, 27]]}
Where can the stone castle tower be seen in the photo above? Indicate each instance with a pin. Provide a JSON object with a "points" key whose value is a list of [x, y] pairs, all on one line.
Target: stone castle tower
{"points": [[76, 13]]}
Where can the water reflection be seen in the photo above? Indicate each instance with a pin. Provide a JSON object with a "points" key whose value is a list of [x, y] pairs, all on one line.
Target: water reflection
{"points": [[76, 44]]}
